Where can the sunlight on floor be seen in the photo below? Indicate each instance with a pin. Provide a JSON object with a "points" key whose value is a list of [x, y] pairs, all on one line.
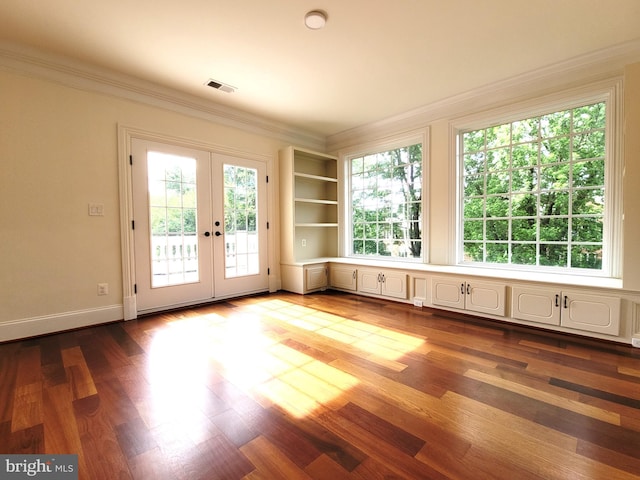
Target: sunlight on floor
{"points": [[178, 368], [251, 354], [379, 341]]}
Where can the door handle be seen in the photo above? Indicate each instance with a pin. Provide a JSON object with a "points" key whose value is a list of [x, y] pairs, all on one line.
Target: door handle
{"points": [[218, 234], [217, 224], [206, 234]]}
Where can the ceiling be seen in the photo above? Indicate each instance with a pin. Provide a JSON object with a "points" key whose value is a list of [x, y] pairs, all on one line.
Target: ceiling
{"points": [[374, 59]]}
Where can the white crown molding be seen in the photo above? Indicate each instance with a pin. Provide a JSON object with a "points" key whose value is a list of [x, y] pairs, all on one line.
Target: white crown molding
{"points": [[19, 59], [588, 68]]}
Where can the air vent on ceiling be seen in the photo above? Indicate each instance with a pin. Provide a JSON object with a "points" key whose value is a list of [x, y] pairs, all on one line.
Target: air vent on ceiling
{"points": [[220, 86]]}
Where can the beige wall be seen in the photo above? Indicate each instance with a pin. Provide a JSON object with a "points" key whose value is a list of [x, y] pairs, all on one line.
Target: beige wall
{"points": [[441, 213], [58, 153], [631, 185]]}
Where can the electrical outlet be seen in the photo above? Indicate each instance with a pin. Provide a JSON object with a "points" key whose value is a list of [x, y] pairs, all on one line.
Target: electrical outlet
{"points": [[103, 289], [417, 302], [304, 242], [635, 341]]}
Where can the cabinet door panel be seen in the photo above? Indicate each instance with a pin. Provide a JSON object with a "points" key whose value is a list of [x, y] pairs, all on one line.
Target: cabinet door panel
{"points": [[343, 277], [315, 277], [535, 305], [593, 313], [395, 285], [486, 298], [368, 281], [447, 292]]}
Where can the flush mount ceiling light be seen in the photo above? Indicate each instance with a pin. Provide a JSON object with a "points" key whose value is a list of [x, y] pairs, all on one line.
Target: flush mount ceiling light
{"points": [[315, 19]]}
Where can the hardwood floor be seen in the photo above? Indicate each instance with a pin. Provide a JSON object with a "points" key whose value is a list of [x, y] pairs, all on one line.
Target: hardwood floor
{"points": [[325, 386]]}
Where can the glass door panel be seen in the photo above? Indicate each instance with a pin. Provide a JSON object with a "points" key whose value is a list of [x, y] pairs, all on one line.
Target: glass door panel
{"points": [[241, 219], [173, 213], [242, 208], [172, 218]]}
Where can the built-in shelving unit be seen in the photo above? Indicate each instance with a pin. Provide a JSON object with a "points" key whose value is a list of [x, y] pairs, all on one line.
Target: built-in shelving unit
{"points": [[309, 205], [308, 215]]}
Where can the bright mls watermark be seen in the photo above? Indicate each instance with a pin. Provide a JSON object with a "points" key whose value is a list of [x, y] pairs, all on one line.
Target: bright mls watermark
{"points": [[52, 467]]}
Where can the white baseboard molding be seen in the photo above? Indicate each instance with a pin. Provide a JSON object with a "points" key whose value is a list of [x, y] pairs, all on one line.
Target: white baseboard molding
{"points": [[32, 327], [130, 310]]}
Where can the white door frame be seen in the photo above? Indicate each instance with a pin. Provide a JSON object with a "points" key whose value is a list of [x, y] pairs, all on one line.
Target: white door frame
{"points": [[125, 135]]}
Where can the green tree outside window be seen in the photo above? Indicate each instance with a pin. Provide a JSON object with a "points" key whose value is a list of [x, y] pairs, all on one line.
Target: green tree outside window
{"points": [[533, 190]]}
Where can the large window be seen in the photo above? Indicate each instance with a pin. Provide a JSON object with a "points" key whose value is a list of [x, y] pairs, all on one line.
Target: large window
{"points": [[534, 191], [386, 203]]}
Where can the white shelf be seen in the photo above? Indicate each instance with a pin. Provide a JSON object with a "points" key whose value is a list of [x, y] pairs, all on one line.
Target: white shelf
{"points": [[316, 225], [316, 201], [315, 177]]}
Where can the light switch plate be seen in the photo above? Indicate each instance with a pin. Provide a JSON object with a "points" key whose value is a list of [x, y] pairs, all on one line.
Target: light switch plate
{"points": [[96, 209]]}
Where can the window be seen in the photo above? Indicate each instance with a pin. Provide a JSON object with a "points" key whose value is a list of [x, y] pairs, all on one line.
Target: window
{"points": [[386, 203], [534, 191]]}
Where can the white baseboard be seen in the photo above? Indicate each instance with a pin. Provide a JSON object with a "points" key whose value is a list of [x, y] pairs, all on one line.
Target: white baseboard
{"points": [[31, 327], [130, 310]]}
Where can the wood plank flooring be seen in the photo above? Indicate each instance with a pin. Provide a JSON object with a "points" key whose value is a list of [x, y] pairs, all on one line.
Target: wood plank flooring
{"points": [[324, 386]]}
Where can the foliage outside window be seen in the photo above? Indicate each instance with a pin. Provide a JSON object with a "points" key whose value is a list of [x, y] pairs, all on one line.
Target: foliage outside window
{"points": [[534, 191], [172, 218], [386, 202], [241, 243]]}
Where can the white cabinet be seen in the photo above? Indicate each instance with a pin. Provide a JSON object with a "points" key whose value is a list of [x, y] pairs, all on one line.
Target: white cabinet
{"points": [[475, 296], [568, 308], [304, 278], [389, 283], [316, 277], [535, 305], [343, 277]]}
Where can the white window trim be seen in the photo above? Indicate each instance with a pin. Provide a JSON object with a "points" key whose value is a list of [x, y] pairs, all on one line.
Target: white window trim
{"points": [[389, 143], [609, 90]]}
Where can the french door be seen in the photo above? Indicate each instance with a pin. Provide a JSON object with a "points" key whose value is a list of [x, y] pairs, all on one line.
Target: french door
{"points": [[199, 225]]}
